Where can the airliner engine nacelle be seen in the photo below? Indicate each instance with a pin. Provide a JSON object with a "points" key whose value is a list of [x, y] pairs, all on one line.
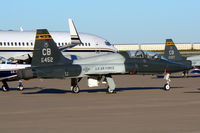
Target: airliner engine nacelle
{"points": [[26, 73]]}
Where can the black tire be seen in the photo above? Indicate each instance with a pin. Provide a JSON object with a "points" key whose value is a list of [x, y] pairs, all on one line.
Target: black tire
{"points": [[4, 88], [110, 91], [21, 88], [76, 89], [167, 87]]}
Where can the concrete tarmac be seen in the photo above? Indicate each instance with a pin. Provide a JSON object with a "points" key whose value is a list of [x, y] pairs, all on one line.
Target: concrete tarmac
{"points": [[140, 105]]}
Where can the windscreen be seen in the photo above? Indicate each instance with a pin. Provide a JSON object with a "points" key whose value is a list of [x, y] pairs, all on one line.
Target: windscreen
{"points": [[145, 54]]}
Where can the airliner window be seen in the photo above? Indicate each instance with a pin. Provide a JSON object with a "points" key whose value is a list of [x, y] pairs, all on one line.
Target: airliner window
{"points": [[15, 44], [19, 44], [11, 43], [62, 44], [85, 44], [27, 44], [0, 43], [4, 43], [65, 43], [89, 44], [23, 43]]}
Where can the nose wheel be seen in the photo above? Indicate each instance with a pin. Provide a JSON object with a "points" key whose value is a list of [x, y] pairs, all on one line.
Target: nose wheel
{"points": [[167, 85]]}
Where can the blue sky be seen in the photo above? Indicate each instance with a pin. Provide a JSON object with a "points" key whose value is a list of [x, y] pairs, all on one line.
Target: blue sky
{"points": [[127, 21]]}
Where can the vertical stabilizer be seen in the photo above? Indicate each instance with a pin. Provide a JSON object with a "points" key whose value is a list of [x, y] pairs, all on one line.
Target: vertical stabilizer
{"points": [[75, 39], [171, 52], [46, 51]]}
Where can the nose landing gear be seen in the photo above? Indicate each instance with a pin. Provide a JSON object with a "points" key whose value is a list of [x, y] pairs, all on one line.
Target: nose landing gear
{"points": [[167, 85]]}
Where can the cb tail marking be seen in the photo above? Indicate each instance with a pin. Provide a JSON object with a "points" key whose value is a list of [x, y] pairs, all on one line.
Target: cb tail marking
{"points": [[46, 51]]}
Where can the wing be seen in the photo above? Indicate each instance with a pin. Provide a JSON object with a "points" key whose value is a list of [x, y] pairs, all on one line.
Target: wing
{"points": [[9, 78]]}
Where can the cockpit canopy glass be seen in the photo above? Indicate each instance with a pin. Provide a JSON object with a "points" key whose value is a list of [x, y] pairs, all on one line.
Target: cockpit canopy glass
{"points": [[107, 43], [145, 54], [4, 60]]}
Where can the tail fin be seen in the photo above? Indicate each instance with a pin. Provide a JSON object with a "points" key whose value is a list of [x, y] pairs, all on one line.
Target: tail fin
{"points": [[171, 51], [75, 39], [74, 36], [46, 51]]}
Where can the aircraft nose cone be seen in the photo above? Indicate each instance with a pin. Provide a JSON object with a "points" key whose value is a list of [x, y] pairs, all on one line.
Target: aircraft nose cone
{"points": [[178, 67]]}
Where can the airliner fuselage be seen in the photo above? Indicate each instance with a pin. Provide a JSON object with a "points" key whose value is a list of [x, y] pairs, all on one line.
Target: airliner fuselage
{"points": [[18, 44]]}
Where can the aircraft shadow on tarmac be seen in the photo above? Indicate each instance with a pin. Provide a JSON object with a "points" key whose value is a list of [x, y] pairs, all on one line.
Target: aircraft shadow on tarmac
{"points": [[189, 76], [60, 91], [16, 89], [197, 91]]}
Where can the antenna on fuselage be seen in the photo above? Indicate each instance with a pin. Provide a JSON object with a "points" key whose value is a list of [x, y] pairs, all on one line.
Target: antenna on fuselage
{"points": [[139, 46]]}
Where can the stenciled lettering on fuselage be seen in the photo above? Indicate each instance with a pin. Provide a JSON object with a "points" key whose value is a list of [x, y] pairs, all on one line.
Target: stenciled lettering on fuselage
{"points": [[100, 68], [46, 52]]}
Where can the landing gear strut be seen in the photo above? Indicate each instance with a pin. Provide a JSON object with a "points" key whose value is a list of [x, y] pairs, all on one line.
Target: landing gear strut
{"points": [[167, 85], [111, 84], [185, 74], [74, 85], [20, 87], [5, 86]]}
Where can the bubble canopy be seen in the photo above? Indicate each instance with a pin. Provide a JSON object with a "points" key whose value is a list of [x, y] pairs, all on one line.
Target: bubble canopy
{"points": [[145, 54]]}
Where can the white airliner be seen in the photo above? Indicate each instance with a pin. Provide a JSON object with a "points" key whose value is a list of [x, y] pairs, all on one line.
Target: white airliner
{"points": [[19, 44]]}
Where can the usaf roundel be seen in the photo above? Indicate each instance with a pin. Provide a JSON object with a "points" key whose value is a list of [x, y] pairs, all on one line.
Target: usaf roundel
{"points": [[46, 45]]}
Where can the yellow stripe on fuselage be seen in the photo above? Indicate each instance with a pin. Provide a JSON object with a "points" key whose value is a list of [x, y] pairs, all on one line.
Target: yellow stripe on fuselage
{"points": [[43, 36]]}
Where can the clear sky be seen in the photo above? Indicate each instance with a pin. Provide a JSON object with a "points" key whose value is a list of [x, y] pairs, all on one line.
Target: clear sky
{"points": [[118, 21]]}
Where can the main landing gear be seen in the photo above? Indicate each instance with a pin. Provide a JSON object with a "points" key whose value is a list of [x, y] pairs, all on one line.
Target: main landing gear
{"points": [[74, 85], [167, 85], [5, 86], [20, 87], [108, 79], [111, 84]]}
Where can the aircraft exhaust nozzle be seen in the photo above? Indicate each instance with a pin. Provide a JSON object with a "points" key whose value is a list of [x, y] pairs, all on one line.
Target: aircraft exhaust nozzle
{"points": [[26, 74]]}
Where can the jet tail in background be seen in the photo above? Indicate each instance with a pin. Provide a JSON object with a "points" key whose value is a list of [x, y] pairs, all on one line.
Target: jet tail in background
{"points": [[75, 39], [74, 36], [171, 52], [46, 52]]}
